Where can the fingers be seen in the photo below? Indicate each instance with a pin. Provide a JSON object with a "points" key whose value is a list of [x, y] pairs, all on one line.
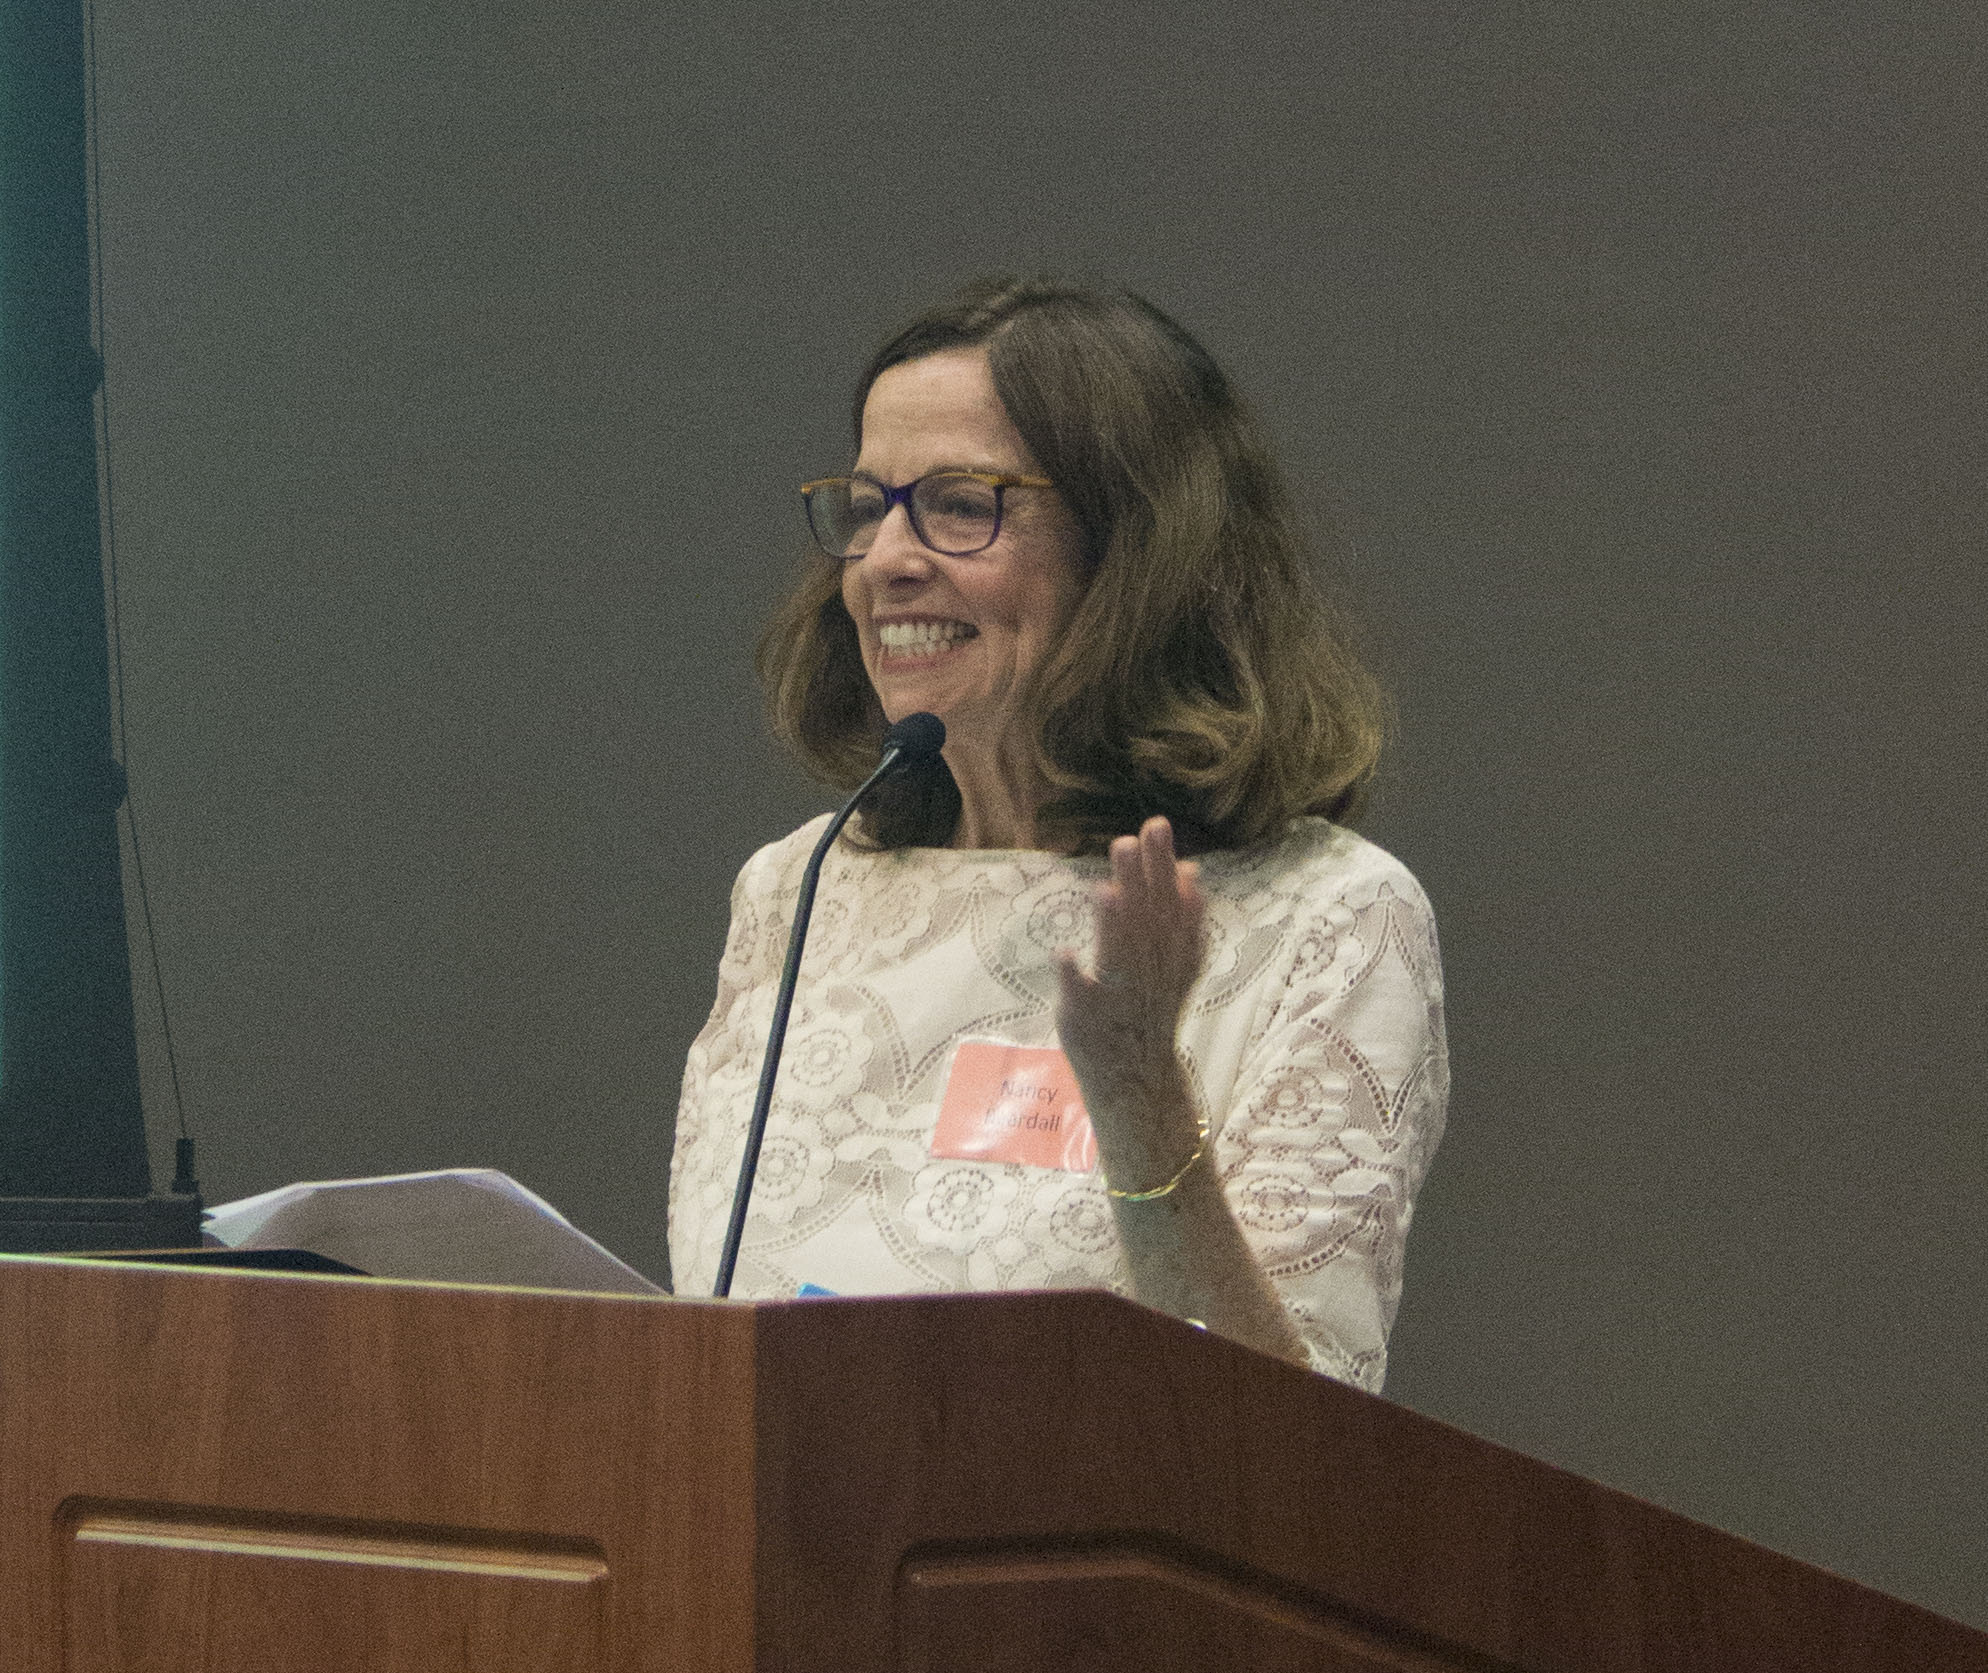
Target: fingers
{"points": [[1171, 896], [1144, 867], [1125, 915], [1156, 851], [1128, 870], [1117, 940], [1149, 916]]}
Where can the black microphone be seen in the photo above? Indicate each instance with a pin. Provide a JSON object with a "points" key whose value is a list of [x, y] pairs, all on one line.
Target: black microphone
{"points": [[914, 738]]}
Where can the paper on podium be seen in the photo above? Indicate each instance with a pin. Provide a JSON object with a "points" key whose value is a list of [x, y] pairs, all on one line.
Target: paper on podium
{"points": [[456, 1226]]}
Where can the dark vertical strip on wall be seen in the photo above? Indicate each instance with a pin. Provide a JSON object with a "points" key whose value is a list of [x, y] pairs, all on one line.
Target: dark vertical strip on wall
{"points": [[70, 1118]]}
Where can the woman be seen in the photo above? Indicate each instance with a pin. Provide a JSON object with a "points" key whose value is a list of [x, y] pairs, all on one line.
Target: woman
{"points": [[1064, 537]]}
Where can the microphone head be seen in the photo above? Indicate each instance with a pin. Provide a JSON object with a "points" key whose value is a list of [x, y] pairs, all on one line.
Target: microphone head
{"points": [[916, 737]]}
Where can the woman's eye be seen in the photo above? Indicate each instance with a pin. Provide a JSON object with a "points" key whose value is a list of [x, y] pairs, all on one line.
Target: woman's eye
{"points": [[965, 503]]}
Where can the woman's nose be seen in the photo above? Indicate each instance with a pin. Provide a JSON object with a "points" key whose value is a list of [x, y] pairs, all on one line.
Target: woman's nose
{"points": [[896, 549]]}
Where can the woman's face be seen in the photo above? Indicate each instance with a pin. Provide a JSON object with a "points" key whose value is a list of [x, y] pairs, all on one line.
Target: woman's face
{"points": [[956, 635]]}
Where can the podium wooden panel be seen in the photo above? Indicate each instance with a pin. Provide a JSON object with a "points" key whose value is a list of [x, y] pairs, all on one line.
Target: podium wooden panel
{"points": [[208, 1472]]}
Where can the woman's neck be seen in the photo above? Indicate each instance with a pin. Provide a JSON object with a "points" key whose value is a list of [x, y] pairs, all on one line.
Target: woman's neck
{"points": [[998, 799]]}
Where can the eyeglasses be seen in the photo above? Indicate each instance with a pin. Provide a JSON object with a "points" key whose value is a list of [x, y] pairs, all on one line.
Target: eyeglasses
{"points": [[955, 513]]}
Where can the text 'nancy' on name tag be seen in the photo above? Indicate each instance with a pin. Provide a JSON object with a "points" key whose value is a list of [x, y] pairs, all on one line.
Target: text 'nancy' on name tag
{"points": [[1014, 1104]]}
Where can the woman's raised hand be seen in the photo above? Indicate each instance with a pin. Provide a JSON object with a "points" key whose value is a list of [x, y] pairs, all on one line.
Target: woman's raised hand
{"points": [[1118, 1023]]}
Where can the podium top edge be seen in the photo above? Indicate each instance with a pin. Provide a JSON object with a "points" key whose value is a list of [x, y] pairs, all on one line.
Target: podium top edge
{"points": [[119, 1261]]}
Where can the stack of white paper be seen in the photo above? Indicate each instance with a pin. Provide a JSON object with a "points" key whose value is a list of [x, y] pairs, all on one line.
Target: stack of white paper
{"points": [[457, 1225]]}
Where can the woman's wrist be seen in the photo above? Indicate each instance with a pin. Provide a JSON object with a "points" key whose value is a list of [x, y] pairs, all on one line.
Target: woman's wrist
{"points": [[1167, 1186], [1150, 1133]]}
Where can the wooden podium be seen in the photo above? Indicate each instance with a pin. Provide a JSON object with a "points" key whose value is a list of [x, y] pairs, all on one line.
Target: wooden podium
{"points": [[207, 1472]]}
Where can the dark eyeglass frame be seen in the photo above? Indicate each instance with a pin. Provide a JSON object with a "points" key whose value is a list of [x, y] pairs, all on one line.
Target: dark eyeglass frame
{"points": [[894, 497]]}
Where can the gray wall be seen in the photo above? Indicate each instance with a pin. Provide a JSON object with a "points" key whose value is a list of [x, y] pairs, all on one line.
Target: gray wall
{"points": [[463, 358]]}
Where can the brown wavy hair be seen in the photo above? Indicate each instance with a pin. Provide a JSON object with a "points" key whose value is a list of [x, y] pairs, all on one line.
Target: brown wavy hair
{"points": [[1204, 675]]}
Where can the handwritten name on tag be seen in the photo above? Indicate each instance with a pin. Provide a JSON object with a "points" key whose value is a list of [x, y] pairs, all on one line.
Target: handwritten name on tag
{"points": [[1014, 1104]]}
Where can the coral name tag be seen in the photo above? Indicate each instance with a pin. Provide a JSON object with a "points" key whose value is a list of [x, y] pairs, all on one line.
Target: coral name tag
{"points": [[1014, 1104]]}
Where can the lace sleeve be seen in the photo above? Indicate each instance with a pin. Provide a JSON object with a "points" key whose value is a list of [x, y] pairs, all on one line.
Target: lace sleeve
{"points": [[1337, 1108], [754, 946]]}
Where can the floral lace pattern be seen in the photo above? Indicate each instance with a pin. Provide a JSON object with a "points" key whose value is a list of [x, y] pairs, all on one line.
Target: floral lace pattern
{"points": [[1314, 1038]]}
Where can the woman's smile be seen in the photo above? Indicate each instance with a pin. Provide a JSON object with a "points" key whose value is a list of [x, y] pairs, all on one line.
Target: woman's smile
{"points": [[919, 640]]}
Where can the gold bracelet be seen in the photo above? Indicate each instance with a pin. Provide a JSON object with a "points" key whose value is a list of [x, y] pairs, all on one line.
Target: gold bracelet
{"points": [[1200, 1148]]}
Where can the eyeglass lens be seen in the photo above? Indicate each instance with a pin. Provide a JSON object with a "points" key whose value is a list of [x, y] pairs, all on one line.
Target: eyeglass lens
{"points": [[956, 515]]}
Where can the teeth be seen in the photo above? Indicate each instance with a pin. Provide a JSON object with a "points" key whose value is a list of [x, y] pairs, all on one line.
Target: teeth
{"points": [[921, 638]]}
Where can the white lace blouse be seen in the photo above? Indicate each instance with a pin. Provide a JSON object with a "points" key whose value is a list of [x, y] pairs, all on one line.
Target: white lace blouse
{"points": [[1314, 1040]]}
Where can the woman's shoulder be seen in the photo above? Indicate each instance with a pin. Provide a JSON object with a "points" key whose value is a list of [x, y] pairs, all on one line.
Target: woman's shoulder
{"points": [[782, 860], [795, 847], [1314, 859]]}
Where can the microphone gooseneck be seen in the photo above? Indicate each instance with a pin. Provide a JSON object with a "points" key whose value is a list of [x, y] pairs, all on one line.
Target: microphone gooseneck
{"points": [[914, 738]]}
